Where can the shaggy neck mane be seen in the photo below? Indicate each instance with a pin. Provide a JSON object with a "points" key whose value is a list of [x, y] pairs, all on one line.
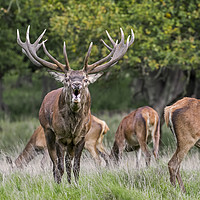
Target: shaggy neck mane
{"points": [[65, 102]]}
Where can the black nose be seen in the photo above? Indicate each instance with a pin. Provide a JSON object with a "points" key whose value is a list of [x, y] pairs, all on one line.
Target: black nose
{"points": [[76, 86]]}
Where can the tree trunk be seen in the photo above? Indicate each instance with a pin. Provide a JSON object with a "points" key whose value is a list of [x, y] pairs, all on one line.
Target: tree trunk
{"points": [[163, 90]]}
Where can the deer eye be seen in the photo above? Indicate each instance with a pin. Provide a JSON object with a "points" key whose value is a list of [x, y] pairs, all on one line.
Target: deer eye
{"points": [[86, 80]]}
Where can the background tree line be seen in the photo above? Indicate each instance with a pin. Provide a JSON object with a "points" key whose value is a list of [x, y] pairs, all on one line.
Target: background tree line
{"points": [[161, 67]]}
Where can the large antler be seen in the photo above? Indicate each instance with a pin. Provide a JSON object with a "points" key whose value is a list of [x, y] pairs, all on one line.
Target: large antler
{"points": [[31, 52], [117, 52]]}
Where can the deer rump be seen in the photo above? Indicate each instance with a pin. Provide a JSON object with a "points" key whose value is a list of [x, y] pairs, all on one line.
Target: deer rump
{"points": [[135, 131], [183, 119], [93, 143]]}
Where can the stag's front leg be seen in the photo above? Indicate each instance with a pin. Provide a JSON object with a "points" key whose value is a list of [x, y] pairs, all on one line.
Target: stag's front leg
{"points": [[60, 156], [68, 161], [78, 152], [51, 145]]}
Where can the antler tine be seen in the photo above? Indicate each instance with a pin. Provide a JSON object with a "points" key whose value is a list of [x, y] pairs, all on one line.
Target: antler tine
{"points": [[92, 66], [85, 68], [19, 40], [132, 38], [128, 41], [109, 48], [26, 51], [32, 50], [66, 58], [39, 38], [21, 44], [121, 49], [110, 38], [122, 36], [62, 67], [27, 34]]}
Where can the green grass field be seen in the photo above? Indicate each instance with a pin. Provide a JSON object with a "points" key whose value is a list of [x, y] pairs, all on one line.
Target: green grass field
{"points": [[115, 182]]}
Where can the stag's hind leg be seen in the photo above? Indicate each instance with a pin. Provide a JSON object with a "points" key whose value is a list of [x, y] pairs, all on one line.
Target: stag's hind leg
{"points": [[174, 163]]}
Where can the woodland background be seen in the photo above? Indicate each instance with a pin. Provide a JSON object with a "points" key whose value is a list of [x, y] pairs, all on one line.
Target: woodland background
{"points": [[161, 67]]}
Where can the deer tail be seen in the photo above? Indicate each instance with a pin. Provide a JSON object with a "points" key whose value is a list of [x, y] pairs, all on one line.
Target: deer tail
{"points": [[156, 138], [167, 114]]}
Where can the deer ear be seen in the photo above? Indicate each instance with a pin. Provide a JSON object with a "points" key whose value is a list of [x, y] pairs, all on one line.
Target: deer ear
{"points": [[93, 77], [58, 76]]}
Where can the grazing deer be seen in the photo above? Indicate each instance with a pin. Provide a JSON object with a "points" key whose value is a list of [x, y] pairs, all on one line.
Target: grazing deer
{"points": [[65, 113], [135, 131], [93, 143], [183, 119], [94, 140]]}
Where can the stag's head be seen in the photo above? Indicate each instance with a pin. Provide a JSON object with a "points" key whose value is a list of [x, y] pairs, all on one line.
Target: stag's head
{"points": [[75, 81], [75, 84]]}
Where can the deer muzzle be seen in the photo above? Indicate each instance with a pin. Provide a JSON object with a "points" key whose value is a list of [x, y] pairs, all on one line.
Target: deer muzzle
{"points": [[76, 96]]}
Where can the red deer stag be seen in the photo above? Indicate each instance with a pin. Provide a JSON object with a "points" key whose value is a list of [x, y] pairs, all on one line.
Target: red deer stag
{"points": [[65, 113], [135, 131], [93, 143], [183, 119]]}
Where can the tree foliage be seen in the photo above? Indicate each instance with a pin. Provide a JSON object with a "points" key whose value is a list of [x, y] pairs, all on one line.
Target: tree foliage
{"points": [[166, 33]]}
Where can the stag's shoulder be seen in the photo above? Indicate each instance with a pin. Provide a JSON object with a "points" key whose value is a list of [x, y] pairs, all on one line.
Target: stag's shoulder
{"points": [[52, 96], [53, 93], [47, 106]]}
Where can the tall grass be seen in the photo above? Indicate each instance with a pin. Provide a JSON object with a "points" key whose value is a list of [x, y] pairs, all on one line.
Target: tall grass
{"points": [[116, 182], [17, 133], [123, 181]]}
